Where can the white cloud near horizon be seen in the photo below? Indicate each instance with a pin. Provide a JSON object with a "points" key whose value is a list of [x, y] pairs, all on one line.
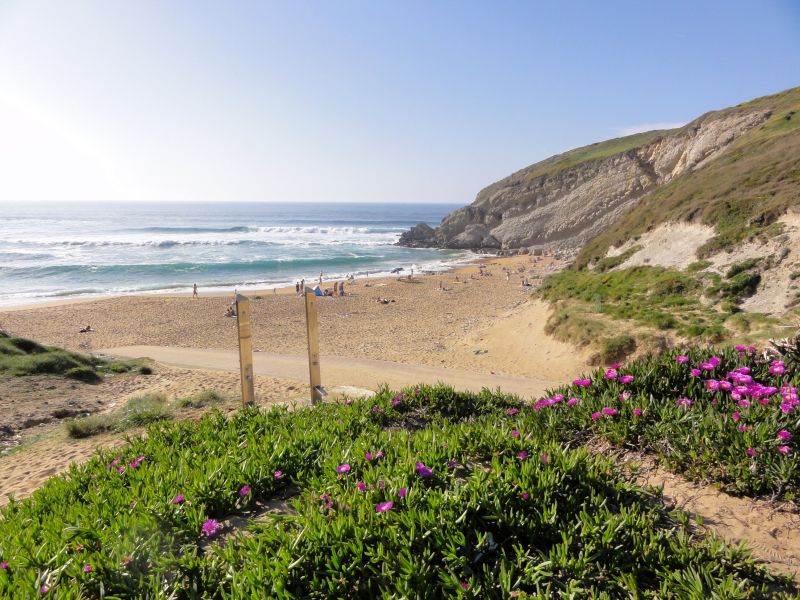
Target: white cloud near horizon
{"points": [[631, 129]]}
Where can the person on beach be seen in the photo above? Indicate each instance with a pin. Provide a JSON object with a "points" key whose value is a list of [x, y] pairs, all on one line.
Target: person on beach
{"points": [[335, 288], [341, 289], [297, 287], [302, 286], [194, 291], [320, 277]]}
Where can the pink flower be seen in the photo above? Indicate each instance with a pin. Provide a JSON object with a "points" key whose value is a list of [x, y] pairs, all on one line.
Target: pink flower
{"points": [[121, 470], [324, 496], [695, 372], [423, 471], [87, 569], [777, 367], [328, 505], [3, 566], [402, 493], [379, 455], [742, 427], [278, 474], [751, 452], [637, 412], [786, 407], [611, 374], [349, 401], [244, 491], [368, 456], [683, 402], [383, 507], [736, 416], [178, 499], [740, 348], [625, 396], [525, 495], [512, 411], [465, 585], [682, 359], [397, 399], [783, 449], [582, 382], [44, 589], [210, 528], [572, 401], [362, 487], [545, 458], [522, 455], [343, 468], [784, 435], [595, 416], [626, 379], [514, 433], [609, 412]]}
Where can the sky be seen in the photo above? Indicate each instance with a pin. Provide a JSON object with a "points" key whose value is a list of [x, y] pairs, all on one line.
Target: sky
{"points": [[356, 101]]}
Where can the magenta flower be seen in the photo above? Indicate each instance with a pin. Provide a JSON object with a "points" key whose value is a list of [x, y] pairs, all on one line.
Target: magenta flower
{"points": [[736, 416], [329, 505], [611, 374], [740, 348], [362, 487], [3, 566], [423, 471], [777, 367], [545, 458], [582, 382], [512, 411], [625, 396], [87, 569], [368, 456], [379, 455], [383, 507], [595, 416], [751, 452], [324, 496], [626, 379], [786, 407], [514, 433], [210, 527], [522, 455], [695, 372], [682, 359], [44, 589], [343, 468], [121, 470], [572, 401], [278, 474], [783, 449], [525, 495], [784, 435], [349, 401], [465, 585], [743, 427], [244, 491], [683, 402], [397, 400], [637, 412], [609, 412], [402, 493], [178, 499]]}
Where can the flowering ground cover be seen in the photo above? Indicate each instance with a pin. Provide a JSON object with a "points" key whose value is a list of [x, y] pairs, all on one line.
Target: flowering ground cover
{"points": [[425, 493]]}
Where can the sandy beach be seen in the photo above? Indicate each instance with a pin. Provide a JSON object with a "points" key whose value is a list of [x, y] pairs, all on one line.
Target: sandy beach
{"points": [[484, 323]]}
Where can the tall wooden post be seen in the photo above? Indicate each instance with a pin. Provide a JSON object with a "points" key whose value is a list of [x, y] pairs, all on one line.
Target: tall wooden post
{"points": [[312, 329], [245, 349]]}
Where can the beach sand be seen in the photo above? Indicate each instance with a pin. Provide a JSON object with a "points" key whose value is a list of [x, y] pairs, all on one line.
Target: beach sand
{"points": [[483, 323]]}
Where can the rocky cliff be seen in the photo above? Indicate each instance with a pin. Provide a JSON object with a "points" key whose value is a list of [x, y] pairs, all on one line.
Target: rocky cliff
{"points": [[563, 202]]}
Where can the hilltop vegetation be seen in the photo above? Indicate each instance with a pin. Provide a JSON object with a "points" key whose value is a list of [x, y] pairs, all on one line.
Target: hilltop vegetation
{"points": [[741, 193], [425, 493]]}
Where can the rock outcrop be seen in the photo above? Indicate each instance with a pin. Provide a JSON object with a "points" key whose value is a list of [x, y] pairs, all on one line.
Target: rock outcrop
{"points": [[561, 207]]}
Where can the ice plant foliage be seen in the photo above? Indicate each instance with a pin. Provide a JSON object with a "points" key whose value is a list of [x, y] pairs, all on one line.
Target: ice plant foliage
{"points": [[733, 424]]}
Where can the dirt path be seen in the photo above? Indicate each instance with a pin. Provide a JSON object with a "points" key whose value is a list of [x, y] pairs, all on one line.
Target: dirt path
{"points": [[336, 370]]}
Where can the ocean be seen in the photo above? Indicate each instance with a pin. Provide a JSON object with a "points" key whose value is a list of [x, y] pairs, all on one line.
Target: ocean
{"points": [[56, 251]]}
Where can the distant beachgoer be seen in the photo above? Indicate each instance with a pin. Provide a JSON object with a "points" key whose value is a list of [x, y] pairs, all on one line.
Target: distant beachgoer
{"points": [[297, 287], [86, 329], [335, 288], [302, 286], [341, 289], [320, 277], [194, 291]]}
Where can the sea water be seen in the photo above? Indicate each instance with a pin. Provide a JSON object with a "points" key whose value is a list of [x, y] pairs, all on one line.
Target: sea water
{"points": [[58, 250]]}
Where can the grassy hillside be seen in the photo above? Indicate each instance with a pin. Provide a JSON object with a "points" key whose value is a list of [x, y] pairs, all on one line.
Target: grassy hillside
{"points": [[742, 193], [424, 494]]}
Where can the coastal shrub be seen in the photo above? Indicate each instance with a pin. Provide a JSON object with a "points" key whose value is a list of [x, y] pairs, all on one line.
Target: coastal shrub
{"points": [[26, 346], [85, 374], [143, 410], [145, 370], [205, 398], [741, 267], [83, 427], [117, 366], [424, 493], [697, 266], [610, 262], [616, 348]]}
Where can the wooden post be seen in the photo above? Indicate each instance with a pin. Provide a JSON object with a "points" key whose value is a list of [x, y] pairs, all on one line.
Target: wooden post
{"points": [[312, 329], [245, 349]]}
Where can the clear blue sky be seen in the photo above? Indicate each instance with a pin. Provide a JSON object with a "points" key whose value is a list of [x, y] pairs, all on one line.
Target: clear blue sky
{"points": [[355, 101]]}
